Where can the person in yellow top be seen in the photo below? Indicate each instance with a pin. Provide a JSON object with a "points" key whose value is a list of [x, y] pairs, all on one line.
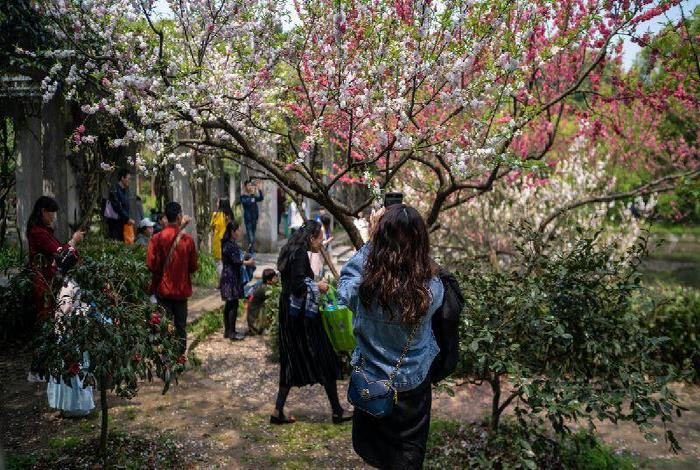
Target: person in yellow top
{"points": [[222, 216]]}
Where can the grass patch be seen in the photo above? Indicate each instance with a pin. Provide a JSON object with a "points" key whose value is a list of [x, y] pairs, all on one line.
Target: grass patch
{"points": [[125, 450], [130, 413], [302, 445], [675, 229], [204, 326], [64, 443]]}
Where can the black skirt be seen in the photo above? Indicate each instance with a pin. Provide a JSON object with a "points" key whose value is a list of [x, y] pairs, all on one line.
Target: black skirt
{"points": [[306, 354], [396, 441]]}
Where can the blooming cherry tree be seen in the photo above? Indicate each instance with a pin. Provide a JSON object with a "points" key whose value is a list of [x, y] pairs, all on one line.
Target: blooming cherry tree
{"points": [[350, 92]]}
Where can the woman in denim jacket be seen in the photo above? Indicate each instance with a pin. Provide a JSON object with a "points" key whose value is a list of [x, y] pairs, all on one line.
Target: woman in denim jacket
{"points": [[392, 287]]}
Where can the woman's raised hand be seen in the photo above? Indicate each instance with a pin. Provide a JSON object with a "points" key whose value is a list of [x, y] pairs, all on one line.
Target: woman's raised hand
{"points": [[322, 286], [374, 219]]}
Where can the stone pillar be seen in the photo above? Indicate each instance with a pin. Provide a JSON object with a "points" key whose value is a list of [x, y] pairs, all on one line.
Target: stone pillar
{"points": [[28, 172], [266, 235], [55, 179], [182, 192]]}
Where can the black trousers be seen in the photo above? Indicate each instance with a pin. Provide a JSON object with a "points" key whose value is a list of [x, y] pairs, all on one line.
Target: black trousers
{"points": [[230, 316], [397, 441], [115, 229], [177, 311]]}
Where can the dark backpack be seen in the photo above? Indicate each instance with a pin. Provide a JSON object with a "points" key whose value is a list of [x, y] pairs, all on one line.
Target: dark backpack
{"points": [[445, 323]]}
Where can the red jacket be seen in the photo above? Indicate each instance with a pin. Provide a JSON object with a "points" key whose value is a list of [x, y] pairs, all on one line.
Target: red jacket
{"points": [[43, 246], [175, 282]]}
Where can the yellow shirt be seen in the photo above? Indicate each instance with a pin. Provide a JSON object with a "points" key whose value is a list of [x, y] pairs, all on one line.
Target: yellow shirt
{"points": [[218, 227]]}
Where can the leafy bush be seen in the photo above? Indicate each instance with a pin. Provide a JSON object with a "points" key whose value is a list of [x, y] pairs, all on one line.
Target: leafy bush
{"points": [[681, 205], [127, 338], [11, 257], [272, 302], [206, 275], [17, 310], [673, 312], [561, 330], [457, 445]]}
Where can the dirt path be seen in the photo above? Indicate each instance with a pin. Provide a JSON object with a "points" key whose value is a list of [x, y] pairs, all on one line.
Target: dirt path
{"points": [[219, 413]]}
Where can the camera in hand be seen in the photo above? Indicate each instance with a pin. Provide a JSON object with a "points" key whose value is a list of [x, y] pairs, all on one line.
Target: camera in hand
{"points": [[393, 198]]}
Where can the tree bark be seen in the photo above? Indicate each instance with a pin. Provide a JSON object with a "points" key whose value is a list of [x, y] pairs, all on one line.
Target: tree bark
{"points": [[495, 403], [105, 423]]}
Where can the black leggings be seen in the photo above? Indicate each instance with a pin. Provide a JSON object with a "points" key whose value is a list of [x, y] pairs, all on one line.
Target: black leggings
{"points": [[331, 392], [230, 315]]}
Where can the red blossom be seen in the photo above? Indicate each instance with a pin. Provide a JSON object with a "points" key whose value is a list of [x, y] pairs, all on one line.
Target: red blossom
{"points": [[155, 319], [74, 368]]}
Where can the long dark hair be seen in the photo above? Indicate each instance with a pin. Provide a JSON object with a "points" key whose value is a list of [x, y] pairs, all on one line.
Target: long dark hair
{"points": [[225, 207], [300, 240], [228, 233], [43, 203], [398, 267]]}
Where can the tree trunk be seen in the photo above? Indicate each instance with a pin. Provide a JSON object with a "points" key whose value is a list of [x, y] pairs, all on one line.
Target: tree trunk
{"points": [[105, 424], [495, 403], [349, 225]]}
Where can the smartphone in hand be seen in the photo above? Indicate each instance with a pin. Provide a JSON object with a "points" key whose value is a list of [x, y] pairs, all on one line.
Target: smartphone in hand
{"points": [[393, 198]]}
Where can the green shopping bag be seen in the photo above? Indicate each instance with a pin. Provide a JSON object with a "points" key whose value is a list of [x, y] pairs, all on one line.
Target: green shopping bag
{"points": [[337, 321]]}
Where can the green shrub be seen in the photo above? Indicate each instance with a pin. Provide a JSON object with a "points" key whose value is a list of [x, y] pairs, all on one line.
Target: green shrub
{"points": [[11, 257], [17, 309], [206, 275], [127, 338], [673, 312], [561, 329], [584, 450], [474, 445], [272, 302]]}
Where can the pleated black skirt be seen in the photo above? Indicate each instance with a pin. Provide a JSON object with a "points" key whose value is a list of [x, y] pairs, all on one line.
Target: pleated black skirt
{"points": [[396, 441], [306, 354]]}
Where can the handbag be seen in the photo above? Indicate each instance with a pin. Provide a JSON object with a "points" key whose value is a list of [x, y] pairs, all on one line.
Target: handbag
{"points": [[376, 397], [337, 322], [109, 212], [129, 235]]}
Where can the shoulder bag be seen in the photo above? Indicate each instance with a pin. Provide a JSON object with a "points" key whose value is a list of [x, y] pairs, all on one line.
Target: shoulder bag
{"points": [[376, 397]]}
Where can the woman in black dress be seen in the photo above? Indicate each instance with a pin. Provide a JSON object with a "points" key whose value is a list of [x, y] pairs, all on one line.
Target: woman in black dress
{"points": [[306, 354]]}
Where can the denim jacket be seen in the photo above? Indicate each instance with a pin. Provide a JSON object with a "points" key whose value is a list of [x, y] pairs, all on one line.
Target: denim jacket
{"points": [[380, 340]]}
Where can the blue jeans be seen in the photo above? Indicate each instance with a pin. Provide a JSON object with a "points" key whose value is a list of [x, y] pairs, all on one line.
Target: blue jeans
{"points": [[250, 227]]}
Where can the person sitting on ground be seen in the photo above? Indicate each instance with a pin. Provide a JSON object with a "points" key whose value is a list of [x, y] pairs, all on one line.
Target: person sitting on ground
{"points": [[257, 321], [161, 221], [145, 232], [231, 283], [172, 259]]}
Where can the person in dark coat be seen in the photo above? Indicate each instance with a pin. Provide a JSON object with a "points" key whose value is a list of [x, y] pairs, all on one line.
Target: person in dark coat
{"points": [[230, 283], [306, 354], [119, 198], [249, 200]]}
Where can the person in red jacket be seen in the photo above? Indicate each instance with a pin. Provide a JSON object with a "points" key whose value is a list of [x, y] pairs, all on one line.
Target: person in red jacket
{"points": [[172, 259], [43, 247]]}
